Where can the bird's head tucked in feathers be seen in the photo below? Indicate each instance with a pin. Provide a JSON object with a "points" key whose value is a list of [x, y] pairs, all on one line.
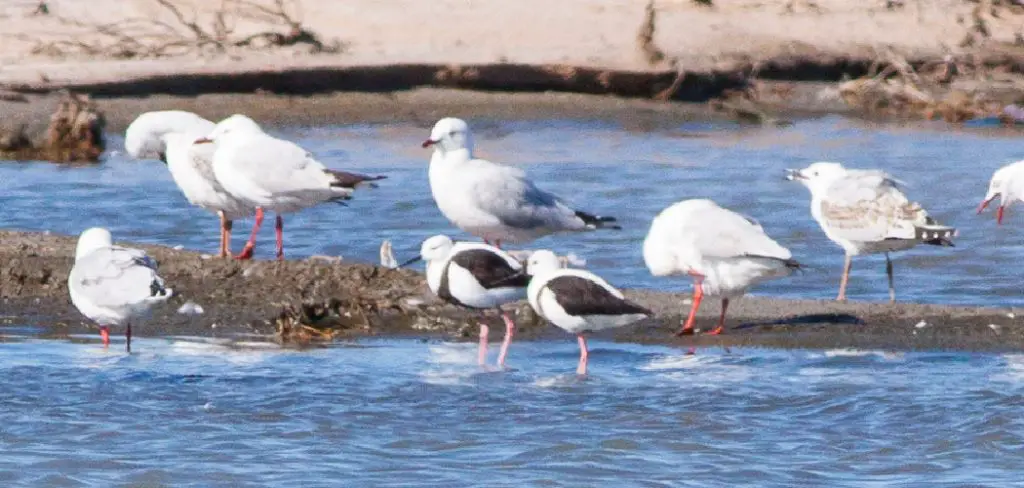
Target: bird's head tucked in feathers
{"points": [[450, 134], [91, 240], [233, 125]]}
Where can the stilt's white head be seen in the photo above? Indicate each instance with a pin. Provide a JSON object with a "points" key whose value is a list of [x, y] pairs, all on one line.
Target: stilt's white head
{"points": [[233, 125], [450, 134], [818, 176], [91, 240], [541, 262], [436, 248]]}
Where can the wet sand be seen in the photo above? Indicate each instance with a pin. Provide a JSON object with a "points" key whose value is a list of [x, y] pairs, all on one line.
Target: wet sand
{"points": [[361, 300]]}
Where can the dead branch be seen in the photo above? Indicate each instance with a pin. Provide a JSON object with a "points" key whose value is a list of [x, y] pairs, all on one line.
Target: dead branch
{"points": [[188, 32]]}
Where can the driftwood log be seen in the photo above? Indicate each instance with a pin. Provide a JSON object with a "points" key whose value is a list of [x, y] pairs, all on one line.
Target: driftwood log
{"points": [[74, 135]]}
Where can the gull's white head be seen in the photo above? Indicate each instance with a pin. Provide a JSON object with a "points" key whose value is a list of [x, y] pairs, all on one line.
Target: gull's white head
{"points": [[144, 138], [233, 125], [1006, 184], [91, 240], [818, 176], [436, 248], [542, 261], [450, 134]]}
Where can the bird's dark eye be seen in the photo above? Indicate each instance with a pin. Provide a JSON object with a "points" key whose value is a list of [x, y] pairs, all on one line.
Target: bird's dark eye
{"points": [[453, 133], [814, 173]]}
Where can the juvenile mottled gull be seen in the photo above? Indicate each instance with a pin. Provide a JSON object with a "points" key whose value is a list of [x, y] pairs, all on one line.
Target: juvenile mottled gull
{"points": [[865, 212], [492, 201], [168, 136], [725, 252], [113, 285], [577, 301], [267, 173], [1007, 185], [477, 276]]}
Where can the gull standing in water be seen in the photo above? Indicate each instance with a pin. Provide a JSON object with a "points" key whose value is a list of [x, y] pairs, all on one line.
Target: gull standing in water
{"points": [[477, 276], [726, 253], [168, 136], [492, 201], [1008, 185], [864, 212], [577, 301], [113, 285], [267, 173]]}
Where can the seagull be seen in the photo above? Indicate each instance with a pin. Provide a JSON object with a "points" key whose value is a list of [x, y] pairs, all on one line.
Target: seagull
{"points": [[865, 212], [1008, 185], [168, 136], [113, 285], [495, 202], [265, 172], [476, 276], [577, 301], [726, 253]]}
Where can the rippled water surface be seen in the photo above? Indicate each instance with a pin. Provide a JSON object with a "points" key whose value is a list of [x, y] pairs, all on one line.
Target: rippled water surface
{"points": [[598, 167], [185, 411]]}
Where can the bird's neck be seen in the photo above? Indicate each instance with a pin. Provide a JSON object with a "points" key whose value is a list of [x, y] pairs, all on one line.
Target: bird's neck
{"points": [[455, 156]]}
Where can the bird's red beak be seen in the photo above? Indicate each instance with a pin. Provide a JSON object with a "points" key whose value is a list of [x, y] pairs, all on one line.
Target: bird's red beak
{"points": [[203, 140], [429, 142], [984, 204]]}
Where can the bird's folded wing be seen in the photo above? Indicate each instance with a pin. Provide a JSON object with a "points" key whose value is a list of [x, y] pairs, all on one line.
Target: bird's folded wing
{"points": [[721, 233], [516, 201], [870, 208], [115, 277], [278, 166]]}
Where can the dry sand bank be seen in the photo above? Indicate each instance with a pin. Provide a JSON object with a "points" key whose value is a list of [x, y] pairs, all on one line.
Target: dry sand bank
{"points": [[360, 300], [580, 46]]}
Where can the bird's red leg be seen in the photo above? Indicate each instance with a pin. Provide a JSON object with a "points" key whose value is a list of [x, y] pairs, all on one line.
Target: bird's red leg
{"points": [[584, 354], [279, 230], [105, 335], [999, 215], [698, 294], [510, 331], [223, 250], [249, 246], [497, 243], [721, 319]]}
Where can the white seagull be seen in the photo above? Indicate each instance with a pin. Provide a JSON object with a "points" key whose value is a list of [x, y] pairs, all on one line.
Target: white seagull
{"points": [[267, 173], [726, 253], [492, 201], [1008, 185], [113, 285], [577, 301], [168, 136], [476, 276], [864, 212]]}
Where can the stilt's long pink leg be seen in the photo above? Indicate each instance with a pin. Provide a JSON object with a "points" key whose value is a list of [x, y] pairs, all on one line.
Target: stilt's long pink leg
{"points": [[584, 354], [482, 354], [247, 251], [510, 331]]}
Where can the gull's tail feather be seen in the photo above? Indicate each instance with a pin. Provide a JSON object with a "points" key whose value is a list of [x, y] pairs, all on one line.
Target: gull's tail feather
{"points": [[597, 221], [344, 179], [935, 234]]}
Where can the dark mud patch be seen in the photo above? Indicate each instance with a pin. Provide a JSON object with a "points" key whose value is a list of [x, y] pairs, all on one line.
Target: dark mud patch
{"points": [[358, 300]]}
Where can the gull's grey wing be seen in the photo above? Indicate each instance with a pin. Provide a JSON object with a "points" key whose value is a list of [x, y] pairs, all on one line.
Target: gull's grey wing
{"points": [[868, 207], [721, 233], [114, 277], [517, 202]]}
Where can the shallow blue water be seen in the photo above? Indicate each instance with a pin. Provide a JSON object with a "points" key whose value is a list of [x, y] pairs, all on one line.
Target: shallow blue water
{"points": [[195, 412], [598, 167]]}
